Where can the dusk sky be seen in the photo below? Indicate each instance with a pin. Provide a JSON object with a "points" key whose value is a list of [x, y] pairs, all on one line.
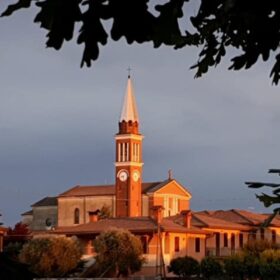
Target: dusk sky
{"points": [[58, 121]]}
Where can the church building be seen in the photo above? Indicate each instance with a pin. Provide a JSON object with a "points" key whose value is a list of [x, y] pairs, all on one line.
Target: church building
{"points": [[144, 208], [158, 212]]}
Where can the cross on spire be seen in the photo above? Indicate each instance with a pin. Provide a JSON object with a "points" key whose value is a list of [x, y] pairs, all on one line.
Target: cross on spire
{"points": [[128, 70]]}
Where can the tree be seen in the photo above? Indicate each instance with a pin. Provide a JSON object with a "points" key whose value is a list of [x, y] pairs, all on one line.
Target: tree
{"points": [[20, 233], [251, 28], [184, 267], [51, 257], [210, 267], [105, 212], [267, 199], [119, 252]]}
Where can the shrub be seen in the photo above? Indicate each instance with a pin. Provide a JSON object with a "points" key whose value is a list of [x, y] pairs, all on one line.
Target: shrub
{"points": [[13, 249], [256, 247], [252, 266], [210, 267], [119, 252], [235, 267], [184, 266], [51, 257], [270, 264]]}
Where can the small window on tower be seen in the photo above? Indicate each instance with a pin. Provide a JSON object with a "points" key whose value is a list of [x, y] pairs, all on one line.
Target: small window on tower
{"points": [[76, 216]]}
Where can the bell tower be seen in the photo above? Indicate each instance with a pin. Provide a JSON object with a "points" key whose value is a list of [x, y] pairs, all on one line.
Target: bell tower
{"points": [[128, 164]]}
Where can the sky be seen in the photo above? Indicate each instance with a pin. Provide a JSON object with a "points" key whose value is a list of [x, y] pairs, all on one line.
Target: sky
{"points": [[58, 121]]}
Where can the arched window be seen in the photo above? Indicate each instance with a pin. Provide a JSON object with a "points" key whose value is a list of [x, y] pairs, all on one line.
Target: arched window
{"points": [[76, 216]]}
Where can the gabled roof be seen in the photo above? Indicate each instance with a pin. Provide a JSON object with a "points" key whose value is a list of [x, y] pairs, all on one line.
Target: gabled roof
{"points": [[27, 213], [203, 220], [89, 190], [137, 224], [165, 184], [175, 224], [3, 229], [46, 201], [106, 189], [243, 217]]}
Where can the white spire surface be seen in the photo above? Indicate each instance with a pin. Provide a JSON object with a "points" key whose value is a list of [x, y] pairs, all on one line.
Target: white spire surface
{"points": [[129, 110]]}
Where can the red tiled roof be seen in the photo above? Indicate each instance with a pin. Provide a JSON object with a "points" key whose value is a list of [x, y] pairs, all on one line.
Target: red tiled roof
{"points": [[212, 222], [46, 201], [243, 217], [101, 190], [141, 224], [173, 224], [27, 213], [136, 225], [3, 229]]}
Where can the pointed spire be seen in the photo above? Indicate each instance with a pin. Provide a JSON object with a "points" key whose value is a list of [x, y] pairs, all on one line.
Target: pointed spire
{"points": [[129, 110]]}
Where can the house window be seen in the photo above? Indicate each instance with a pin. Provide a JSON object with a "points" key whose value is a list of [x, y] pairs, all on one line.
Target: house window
{"points": [[177, 244], [225, 240], [241, 240], [76, 216], [273, 236], [262, 233], [197, 245], [232, 241], [144, 244], [252, 236]]}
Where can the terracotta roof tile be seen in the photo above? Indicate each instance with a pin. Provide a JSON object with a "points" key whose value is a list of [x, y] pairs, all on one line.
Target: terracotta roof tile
{"points": [[30, 212], [46, 201], [101, 189], [131, 224], [137, 224], [213, 222], [173, 224], [243, 217]]}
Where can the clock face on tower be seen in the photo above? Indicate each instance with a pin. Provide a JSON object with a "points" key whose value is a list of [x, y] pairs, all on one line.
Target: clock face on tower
{"points": [[122, 175], [135, 175]]}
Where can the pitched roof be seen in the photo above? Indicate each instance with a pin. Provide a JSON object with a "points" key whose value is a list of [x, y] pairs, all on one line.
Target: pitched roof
{"points": [[202, 220], [137, 224], [175, 224], [46, 201], [89, 190], [243, 217], [102, 189], [30, 212], [3, 229]]}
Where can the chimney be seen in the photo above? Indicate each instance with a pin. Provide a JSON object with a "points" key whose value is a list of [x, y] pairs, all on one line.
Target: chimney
{"points": [[93, 216], [158, 213], [187, 215]]}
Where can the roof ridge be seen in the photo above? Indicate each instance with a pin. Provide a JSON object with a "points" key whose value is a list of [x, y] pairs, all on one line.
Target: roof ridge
{"points": [[242, 216]]}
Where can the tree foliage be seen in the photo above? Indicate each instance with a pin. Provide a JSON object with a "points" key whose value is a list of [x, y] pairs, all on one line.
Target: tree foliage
{"points": [[268, 199], [210, 267], [19, 229], [184, 267], [105, 212], [251, 28], [51, 257], [258, 261], [119, 252]]}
